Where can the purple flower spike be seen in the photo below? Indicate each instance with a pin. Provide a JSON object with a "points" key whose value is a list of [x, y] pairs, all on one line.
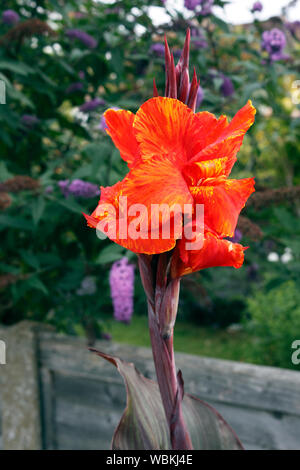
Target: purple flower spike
{"points": [[237, 236], [91, 105], [10, 17], [206, 7], [197, 38], [78, 188], [106, 336], [121, 279], [158, 49], [227, 87], [191, 4], [29, 120], [257, 6], [294, 29], [83, 37], [274, 42], [63, 185], [200, 96], [77, 86]]}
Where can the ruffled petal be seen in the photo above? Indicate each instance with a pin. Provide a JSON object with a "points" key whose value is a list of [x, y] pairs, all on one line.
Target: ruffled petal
{"points": [[197, 171], [225, 139], [223, 200], [215, 252], [119, 127], [164, 126], [146, 185]]}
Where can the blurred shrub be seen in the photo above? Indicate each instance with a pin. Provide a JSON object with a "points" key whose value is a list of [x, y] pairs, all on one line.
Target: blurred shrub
{"points": [[64, 63], [274, 321]]}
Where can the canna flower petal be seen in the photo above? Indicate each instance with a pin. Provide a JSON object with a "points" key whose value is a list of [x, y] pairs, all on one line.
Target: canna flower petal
{"points": [[119, 127], [164, 126], [215, 252], [223, 201], [147, 184], [225, 139], [196, 172]]}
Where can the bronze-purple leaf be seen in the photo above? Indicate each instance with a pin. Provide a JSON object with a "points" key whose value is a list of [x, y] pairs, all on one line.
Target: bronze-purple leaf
{"points": [[143, 425]]}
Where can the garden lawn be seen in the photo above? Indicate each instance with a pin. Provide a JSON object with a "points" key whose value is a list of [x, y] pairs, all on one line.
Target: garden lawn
{"points": [[189, 338]]}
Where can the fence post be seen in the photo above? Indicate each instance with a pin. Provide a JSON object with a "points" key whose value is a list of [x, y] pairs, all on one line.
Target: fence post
{"points": [[20, 389]]}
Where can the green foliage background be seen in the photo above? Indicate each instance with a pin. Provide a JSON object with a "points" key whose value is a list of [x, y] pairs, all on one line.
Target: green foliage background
{"points": [[45, 243]]}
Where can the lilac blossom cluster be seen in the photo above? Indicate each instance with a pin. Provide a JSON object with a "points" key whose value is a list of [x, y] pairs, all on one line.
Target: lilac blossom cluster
{"points": [[236, 237], [200, 96], [274, 42], [91, 105], [294, 28], [203, 6], [10, 17], [78, 188], [227, 87], [29, 120], [83, 37], [121, 280], [197, 38], [158, 49], [73, 87], [257, 6]]}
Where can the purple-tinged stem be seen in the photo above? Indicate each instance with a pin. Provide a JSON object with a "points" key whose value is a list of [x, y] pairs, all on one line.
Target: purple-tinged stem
{"points": [[162, 297]]}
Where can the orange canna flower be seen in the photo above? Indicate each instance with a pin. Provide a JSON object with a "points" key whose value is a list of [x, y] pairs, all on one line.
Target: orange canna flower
{"points": [[176, 156]]}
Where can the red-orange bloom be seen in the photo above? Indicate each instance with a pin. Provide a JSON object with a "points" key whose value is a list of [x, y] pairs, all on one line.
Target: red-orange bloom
{"points": [[178, 157]]}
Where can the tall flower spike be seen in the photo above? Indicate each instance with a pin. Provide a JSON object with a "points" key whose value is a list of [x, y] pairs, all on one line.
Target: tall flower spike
{"points": [[177, 82]]}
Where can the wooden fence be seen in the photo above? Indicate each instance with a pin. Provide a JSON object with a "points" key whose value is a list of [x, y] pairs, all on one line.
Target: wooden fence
{"points": [[55, 394]]}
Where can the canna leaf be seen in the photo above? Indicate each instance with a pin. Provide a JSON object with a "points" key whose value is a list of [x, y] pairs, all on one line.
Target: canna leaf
{"points": [[143, 425]]}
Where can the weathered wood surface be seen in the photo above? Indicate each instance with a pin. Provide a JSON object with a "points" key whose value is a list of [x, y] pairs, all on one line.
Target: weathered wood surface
{"points": [[19, 389], [261, 403], [83, 396]]}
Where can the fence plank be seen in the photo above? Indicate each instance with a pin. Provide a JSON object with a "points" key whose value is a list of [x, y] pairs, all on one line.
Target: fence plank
{"points": [[82, 396], [19, 390]]}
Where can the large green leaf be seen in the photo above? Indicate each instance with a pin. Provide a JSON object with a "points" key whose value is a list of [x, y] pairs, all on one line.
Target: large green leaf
{"points": [[143, 425]]}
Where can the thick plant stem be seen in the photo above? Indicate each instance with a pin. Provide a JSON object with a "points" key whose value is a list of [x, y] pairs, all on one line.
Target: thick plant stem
{"points": [[162, 296]]}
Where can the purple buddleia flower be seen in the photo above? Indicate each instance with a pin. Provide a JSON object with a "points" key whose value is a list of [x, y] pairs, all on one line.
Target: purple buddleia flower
{"points": [[29, 120], [91, 105], [83, 37], [206, 7], [81, 74], [10, 17], [191, 4], [158, 49], [237, 236], [257, 6], [274, 42], [121, 280], [102, 126], [78, 188], [76, 86], [294, 29], [200, 96], [63, 185], [197, 38], [106, 336], [227, 87], [177, 53]]}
